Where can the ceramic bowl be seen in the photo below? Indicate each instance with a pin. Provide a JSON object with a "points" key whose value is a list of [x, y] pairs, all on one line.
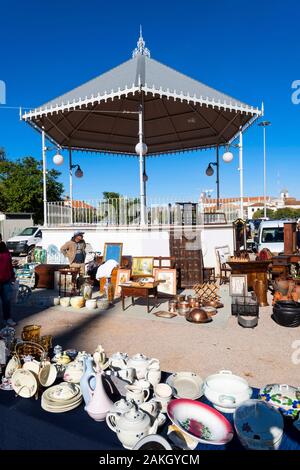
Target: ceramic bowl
{"points": [[91, 304], [200, 421], [47, 375], [65, 301], [226, 391], [259, 426], [283, 397], [77, 301], [56, 301], [102, 304]]}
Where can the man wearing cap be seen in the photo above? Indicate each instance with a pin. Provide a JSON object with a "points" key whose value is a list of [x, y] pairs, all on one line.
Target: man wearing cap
{"points": [[74, 250]]}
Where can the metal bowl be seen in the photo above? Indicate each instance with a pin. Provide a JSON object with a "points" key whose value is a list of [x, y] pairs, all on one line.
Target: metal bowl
{"points": [[198, 315]]}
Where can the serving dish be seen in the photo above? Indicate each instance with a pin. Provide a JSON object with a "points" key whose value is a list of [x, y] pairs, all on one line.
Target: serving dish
{"points": [[285, 398], [226, 391], [186, 385], [258, 425], [200, 421]]}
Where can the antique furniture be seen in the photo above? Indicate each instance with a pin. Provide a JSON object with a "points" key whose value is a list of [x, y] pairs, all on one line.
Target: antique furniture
{"points": [[44, 275], [188, 255], [136, 290], [223, 253], [253, 269], [290, 240], [64, 287]]}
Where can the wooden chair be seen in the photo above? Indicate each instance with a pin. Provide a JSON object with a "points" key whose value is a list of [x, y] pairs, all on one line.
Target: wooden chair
{"points": [[209, 273], [222, 252]]}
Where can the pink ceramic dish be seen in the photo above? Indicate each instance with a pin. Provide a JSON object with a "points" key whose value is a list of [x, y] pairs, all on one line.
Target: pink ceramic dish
{"points": [[200, 421]]}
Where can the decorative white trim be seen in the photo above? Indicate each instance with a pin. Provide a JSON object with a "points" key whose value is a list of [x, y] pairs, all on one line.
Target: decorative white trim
{"points": [[38, 112]]}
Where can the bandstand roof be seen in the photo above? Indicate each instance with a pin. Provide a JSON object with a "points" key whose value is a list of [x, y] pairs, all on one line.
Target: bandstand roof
{"points": [[180, 113]]}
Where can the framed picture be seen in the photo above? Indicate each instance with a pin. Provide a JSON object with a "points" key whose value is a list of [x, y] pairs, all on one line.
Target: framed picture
{"points": [[123, 275], [113, 251], [142, 266], [168, 276], [238, 285]]}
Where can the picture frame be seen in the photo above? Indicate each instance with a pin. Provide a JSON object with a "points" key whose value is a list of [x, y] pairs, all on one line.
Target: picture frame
{"points": [[123, 275], [169, 276], [113, 251], [142, 266], [238, 285]]}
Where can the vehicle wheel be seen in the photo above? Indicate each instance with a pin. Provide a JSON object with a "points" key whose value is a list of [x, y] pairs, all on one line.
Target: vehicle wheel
{"points": [[23, 293]]}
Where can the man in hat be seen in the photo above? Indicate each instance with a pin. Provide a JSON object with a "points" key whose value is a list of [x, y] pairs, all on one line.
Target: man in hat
{"points": [[75, 251]]}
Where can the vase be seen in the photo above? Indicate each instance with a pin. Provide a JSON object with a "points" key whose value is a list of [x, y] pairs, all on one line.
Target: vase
{"points": [[99, 404], [88, 379]]}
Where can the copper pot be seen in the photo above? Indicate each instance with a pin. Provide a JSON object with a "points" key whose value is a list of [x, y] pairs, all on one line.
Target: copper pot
{"points": [[260, 289], [213, 303], [194, 302], [179, 298], [197, 315], [172, 306], [183, 307]]}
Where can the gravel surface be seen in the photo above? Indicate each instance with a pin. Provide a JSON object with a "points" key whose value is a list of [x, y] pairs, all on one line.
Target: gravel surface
{"points": [[261, 355]]}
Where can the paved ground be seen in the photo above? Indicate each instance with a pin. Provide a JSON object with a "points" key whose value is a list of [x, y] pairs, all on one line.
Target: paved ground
{"points": [[262, 355]]}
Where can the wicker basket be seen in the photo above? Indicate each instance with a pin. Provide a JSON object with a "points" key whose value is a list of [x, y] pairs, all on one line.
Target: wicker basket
{"points": [[28, 348], [31, 333]]}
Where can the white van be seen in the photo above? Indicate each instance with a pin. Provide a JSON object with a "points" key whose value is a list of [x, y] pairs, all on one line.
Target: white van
{"points": [[25, 242], [271, 235]]}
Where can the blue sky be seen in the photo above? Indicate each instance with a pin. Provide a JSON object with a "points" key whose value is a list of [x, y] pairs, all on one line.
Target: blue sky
{"points": [[249, 50]]}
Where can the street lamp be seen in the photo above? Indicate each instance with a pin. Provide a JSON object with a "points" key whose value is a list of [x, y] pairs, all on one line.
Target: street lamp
{"points": [[227, 158], [265, 124]]}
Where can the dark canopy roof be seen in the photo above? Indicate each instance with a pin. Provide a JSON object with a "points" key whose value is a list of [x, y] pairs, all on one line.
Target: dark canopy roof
{"points": [[180, 113]]}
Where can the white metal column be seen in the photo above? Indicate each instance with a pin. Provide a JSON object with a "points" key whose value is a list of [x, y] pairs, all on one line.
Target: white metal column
{"points": [[265, 175], [71, 185], [241, 169], [141, 161], [44, 178]]}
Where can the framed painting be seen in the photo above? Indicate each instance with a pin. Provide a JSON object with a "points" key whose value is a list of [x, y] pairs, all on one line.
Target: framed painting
{"points": [[123, 276], [113, 251], [168, 277], [142, 266], [238, 285]]}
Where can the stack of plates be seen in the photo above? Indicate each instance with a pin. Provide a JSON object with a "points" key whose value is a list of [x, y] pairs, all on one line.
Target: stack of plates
{"points": [[61, 398]]}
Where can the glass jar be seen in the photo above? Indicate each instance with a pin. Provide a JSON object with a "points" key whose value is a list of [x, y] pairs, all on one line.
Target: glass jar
{"points": [[109, 290]]}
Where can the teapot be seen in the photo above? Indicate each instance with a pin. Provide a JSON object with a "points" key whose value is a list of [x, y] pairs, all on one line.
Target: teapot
{"points": [[118, 360], [141, 363], [131, 426]]}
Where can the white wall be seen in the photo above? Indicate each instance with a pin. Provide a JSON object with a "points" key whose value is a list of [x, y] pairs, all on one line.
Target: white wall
{"points": [[146, 242]]}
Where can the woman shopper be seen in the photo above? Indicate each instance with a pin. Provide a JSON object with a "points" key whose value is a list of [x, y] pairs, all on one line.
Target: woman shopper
{"points": [[7, 277]]}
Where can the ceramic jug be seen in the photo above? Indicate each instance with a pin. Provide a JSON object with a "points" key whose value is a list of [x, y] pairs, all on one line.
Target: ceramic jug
{"points": [[88, 379], [99, 403]]}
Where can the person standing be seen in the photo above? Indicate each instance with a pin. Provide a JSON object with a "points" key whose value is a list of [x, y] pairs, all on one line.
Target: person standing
{"points": [[7, 277], [75, 251]]}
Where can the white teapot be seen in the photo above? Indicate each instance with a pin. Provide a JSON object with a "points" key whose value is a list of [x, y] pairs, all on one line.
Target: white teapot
{"points": [[118, 360], [130, 427], [141, 363]]}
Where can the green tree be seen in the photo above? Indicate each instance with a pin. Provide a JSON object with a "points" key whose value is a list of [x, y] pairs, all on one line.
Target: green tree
{"points": [[21, 186], [282, 213]]}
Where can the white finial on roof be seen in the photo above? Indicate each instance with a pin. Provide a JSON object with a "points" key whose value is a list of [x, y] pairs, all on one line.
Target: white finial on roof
{"points": [[141, 49]]}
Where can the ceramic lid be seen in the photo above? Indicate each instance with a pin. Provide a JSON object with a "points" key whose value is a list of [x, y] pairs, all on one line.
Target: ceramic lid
{"points": [[134, 419], [280, 394], [122, 405], [257, 420], [139, 357]]}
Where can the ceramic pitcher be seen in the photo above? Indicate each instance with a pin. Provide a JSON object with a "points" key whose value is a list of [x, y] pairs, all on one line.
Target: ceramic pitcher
{"points": [[88, 379], [99, 403]]}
